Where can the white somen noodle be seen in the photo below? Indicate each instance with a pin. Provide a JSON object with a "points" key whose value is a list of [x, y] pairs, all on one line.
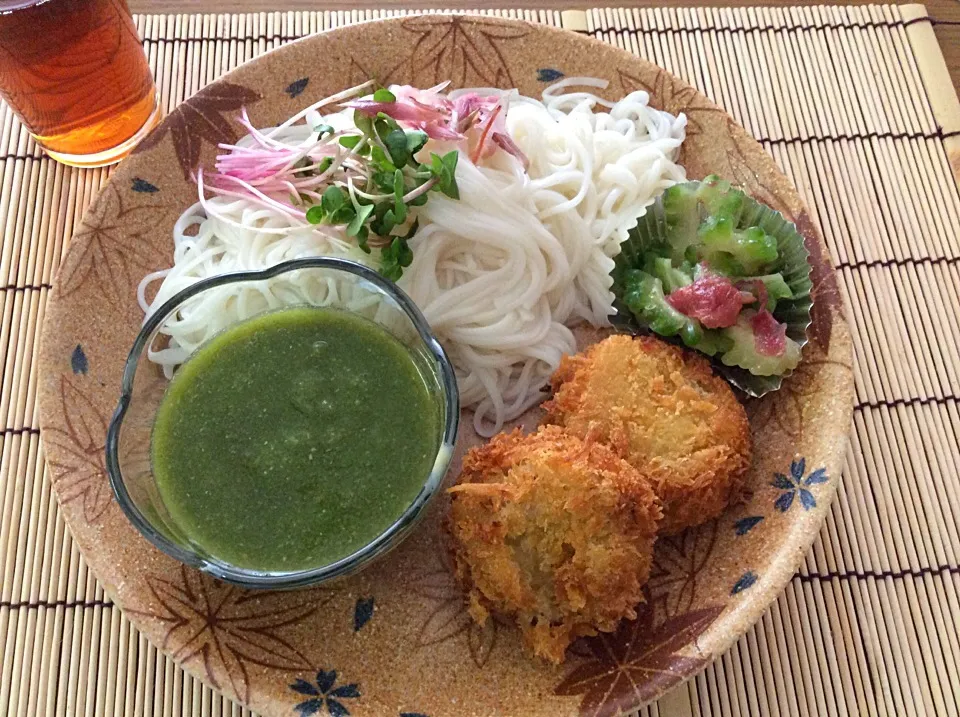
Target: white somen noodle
{"points": [[500, 274]]}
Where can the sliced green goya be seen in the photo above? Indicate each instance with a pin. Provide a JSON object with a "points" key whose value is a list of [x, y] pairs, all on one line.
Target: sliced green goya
{"points": [[643, 295], [737, 252], [671, 277], [743, 351], [776, 287]]}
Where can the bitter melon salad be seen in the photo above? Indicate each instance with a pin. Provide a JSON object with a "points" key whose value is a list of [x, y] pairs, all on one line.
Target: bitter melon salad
{"points": [[722, 273]]}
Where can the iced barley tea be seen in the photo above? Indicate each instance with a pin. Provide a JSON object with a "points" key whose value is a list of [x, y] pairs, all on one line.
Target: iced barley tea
{"points": [[75, 73]]}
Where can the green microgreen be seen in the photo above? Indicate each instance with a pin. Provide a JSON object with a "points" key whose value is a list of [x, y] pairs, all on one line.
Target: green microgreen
{"points": [[394, 258], [396, 143], [379, 206], [359, 219], [333, 199], [315, 214], [399, 206]]}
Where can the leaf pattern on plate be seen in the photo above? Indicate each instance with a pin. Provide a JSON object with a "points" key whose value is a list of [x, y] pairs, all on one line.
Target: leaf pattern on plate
{"points": [[678, 561], [447, 616], [78, 361], [143, 186], [112, 247], [638, 662], [75, 453], [362, 612], [223, 630], [796, 484], [746, 581], [783, 410], [201, 118], [826, 290], [745, 525], [296, 88], [324, 697], [463, 49]]}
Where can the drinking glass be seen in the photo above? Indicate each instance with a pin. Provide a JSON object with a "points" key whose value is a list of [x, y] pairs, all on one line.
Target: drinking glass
{"points": [[75, 73]]}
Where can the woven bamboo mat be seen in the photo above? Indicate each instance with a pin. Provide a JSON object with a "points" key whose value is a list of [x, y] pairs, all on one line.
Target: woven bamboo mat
{"points": [[856, 106]]}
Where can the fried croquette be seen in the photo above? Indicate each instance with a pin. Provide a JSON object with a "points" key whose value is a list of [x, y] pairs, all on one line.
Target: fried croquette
{"points": [[662, 409], [553, 531]]}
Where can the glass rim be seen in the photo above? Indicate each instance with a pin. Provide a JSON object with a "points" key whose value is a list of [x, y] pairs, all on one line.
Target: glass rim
{"points": [[311, 576]]}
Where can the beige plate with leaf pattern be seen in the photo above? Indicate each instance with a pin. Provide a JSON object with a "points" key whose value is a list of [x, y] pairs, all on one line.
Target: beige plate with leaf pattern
{"points": [[396, 639]]}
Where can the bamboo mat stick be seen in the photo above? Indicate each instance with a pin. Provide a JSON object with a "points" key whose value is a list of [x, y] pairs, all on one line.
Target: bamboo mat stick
{"points": [[851, 104]]}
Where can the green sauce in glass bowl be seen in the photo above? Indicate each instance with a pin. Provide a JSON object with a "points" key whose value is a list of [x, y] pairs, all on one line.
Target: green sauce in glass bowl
{"points": [[302, 439], [294, 439]]}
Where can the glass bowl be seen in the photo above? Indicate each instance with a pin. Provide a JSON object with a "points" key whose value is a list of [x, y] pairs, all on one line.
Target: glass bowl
{"points": [[321, 281]]}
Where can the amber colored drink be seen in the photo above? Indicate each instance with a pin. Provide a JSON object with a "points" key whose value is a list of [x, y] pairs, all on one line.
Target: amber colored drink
{"points": [[75, 73]]}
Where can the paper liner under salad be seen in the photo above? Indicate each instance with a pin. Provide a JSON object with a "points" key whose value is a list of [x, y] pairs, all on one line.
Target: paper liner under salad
{"points": [[722, 273]]}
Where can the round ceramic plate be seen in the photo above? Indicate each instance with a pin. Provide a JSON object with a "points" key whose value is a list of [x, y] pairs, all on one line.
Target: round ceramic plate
{"points": [[396, 639]]}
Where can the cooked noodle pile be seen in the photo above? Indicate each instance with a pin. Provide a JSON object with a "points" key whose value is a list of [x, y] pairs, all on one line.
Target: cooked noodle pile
{"points": [[500, 273]]}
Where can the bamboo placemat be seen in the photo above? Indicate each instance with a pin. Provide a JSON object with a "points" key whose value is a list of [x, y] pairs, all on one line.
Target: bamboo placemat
{"points": [[856, 106]]}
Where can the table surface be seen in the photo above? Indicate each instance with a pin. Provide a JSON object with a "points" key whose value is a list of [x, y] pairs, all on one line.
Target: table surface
{"points": [[945, 14]]}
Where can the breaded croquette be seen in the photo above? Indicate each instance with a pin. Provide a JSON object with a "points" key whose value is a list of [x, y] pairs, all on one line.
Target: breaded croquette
{"points": [[553, 531], [662, 409]]}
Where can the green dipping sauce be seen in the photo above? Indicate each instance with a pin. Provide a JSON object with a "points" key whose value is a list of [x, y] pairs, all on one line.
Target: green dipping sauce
{"points": [[293, 439]]}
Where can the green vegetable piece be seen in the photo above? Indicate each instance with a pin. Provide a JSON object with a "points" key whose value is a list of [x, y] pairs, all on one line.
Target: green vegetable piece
{"points": [[776, 286], [364, 122], [343, 215], [444, 169], [361, 216], [735, 251], [714, 341], [384, 125], [415, 141], [350, 141], [720, 199], [384, 95], [324, 165], [333, 199], [396, 143], [399, 207], [682, 214], [404, 253], [743, 351], [386, 221], [384, 179], [672, 278], [315, 214], [322, 129], [646, 301], [450, 162], [382, 161], [395, 258]]}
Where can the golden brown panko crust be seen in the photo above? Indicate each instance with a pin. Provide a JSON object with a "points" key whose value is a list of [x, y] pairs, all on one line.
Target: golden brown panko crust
{"points": [[553, 531], [662, 409]]}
